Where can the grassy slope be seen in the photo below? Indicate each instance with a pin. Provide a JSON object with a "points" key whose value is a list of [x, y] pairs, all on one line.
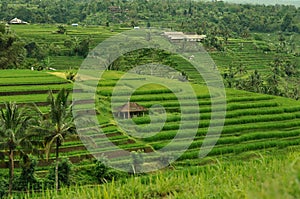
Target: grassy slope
{"points": [[20, 85], [262, 177]]}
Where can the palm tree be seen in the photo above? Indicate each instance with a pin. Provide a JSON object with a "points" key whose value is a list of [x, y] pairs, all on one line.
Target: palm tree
{"points": [[273, 84], [255, 82], [241, 69], [61, 29], [56, 126], [47, 63], [14, 121], [230, 77]]}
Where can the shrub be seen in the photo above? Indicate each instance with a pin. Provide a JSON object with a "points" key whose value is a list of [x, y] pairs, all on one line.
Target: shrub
{"points": [[27, 180], [3, 187], [100, 171], [70, 75], [64, 169], [257, 37], [103, 173]]}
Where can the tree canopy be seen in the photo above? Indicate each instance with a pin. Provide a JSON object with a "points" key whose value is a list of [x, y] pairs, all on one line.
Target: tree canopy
{"points": [[176, 14]]}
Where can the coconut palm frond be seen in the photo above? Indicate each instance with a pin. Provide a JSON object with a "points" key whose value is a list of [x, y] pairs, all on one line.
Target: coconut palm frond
{"points": [[49, 144]]}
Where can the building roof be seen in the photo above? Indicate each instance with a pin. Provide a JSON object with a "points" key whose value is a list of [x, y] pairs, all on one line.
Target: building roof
{"points": [[173, 33], [184, 36], [195, 36], [17, 21], [131, 107]]}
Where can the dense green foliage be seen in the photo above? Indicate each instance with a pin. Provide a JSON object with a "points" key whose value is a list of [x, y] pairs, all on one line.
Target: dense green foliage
{"points": [[12, 51], [55, 127], [39, 47], [187, 15], [27, 179], [14, 123], [64, 169]]}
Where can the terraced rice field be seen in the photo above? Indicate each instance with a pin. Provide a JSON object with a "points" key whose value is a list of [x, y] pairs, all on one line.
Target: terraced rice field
{"points": [[253, 122], [26, 87], [247, 53], [44, 34]]}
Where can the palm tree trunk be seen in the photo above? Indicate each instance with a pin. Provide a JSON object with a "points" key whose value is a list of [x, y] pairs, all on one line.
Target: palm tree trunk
{"points": [[56, 166], [11, 171]]}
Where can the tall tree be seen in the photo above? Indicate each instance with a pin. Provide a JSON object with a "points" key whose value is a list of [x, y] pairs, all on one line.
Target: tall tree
{"points": [[14, 121], [255, 82], [286, 22], [2, 28], [56, 126], [12, 51]]}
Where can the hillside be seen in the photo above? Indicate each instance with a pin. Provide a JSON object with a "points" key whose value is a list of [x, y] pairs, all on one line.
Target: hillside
{"points": [[238, 58], [197, 99], [254, 122]]}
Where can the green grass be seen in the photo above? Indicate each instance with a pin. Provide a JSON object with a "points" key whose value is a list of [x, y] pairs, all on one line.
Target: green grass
{"points": [[22, 73], [20, 85], [254, 124], [32, 81], [25, 98], [28, 77], [45, 32], [263, 176], [66, 62], [35, 88]]}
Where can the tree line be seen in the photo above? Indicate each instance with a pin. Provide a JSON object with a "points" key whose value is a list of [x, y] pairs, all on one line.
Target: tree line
{"points": [[198, 16]]}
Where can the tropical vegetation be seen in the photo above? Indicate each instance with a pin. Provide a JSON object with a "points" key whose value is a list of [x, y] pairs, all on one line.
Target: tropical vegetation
{"points": [[255, 48]]}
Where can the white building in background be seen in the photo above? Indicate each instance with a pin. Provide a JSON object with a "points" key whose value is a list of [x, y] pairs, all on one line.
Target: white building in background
{"points": [[180, 36], [17, 21]]}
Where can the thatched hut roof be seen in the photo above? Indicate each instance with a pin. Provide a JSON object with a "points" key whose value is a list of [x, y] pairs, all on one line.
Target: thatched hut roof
{"points": [[131, 107]]}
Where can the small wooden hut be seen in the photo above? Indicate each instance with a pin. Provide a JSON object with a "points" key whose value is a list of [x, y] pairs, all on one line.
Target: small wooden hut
{"points": [[129, 110]]}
